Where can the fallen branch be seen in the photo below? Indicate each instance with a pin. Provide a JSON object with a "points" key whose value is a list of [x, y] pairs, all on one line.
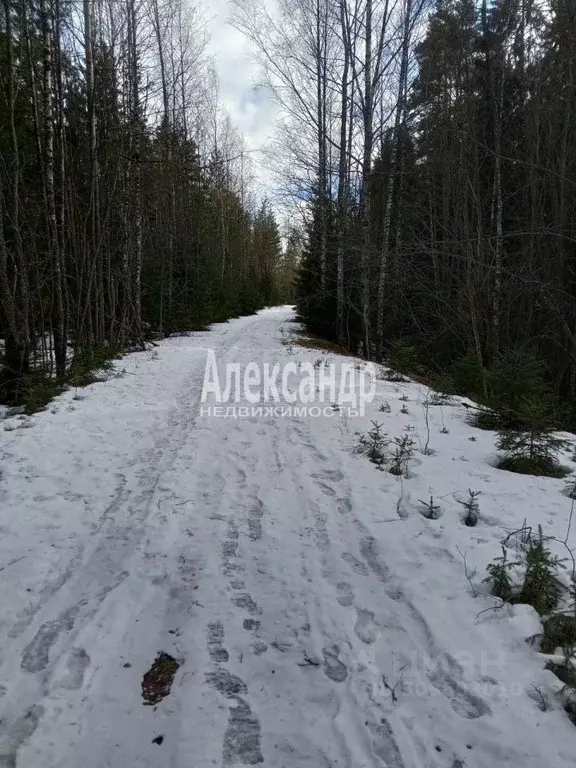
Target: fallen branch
{"points": [[12, 562]]}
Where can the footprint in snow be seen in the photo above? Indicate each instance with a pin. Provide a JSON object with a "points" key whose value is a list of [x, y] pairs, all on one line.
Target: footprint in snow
{"points": [[384, 744], [344, 505], [245, 601], [365, 628], [334, 475], [18, 732], [333, 667], [215, 642], [35, 656], [462, 701], [259, 647], [345, 594], [251, 625], [357, 565], [242, 736], [76, 665], [225, 683], [255, 516]]}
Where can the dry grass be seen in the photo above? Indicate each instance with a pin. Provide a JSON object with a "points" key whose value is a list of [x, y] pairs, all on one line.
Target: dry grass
{"points": [[315, 342]]}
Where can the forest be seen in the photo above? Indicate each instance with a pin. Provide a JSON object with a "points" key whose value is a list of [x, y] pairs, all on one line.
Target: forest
{"points": [[438, 178], [424, 158], [127, 209]]}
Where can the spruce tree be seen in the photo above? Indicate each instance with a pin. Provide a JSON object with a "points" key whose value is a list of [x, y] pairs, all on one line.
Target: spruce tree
{"points": [[532, 450]]}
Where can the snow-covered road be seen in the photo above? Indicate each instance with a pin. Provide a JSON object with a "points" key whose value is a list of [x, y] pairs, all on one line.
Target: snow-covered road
{"points": [[316, 621]]}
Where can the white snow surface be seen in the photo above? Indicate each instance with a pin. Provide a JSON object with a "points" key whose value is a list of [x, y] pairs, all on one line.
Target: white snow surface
{"points": [[318, 621]]}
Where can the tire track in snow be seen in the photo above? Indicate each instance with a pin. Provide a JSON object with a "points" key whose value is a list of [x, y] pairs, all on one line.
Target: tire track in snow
{"points": [[76, 597], [60, 579]]}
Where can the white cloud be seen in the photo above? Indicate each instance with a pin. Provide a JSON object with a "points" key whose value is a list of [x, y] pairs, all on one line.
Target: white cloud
{"points": [[249, 105]]}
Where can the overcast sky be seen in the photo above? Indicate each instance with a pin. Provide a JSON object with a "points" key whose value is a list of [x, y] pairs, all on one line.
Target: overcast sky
{"points": [[249, 106]]}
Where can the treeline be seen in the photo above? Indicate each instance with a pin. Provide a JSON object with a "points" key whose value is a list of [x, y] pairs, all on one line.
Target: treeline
{"points": [[125, 203], [439, 176]]}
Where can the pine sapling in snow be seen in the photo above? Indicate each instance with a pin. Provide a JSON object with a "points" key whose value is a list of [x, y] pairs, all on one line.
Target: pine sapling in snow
{"points": [[532, 580], [403, 452], [471, 508], [516, 377], [559, 631], [541, 588], [533, 450], [402, 357], [430, 510], [373, 444], [499, 577]]}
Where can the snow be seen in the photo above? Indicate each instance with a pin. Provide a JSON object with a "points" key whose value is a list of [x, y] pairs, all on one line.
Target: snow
{"points": [[318, 618]]}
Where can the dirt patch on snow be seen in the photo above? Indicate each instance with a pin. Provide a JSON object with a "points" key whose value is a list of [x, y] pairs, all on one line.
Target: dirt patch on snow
{"points": [[157, 682]]}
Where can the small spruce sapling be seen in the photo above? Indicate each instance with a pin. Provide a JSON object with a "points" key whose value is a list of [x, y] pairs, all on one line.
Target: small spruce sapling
{"points": [[403, 452], [559, 631], [402, 357], [499, 577], [517, 376], [373, 444], [471, 508], [430, 510], [533, 450], [541, 588]]}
